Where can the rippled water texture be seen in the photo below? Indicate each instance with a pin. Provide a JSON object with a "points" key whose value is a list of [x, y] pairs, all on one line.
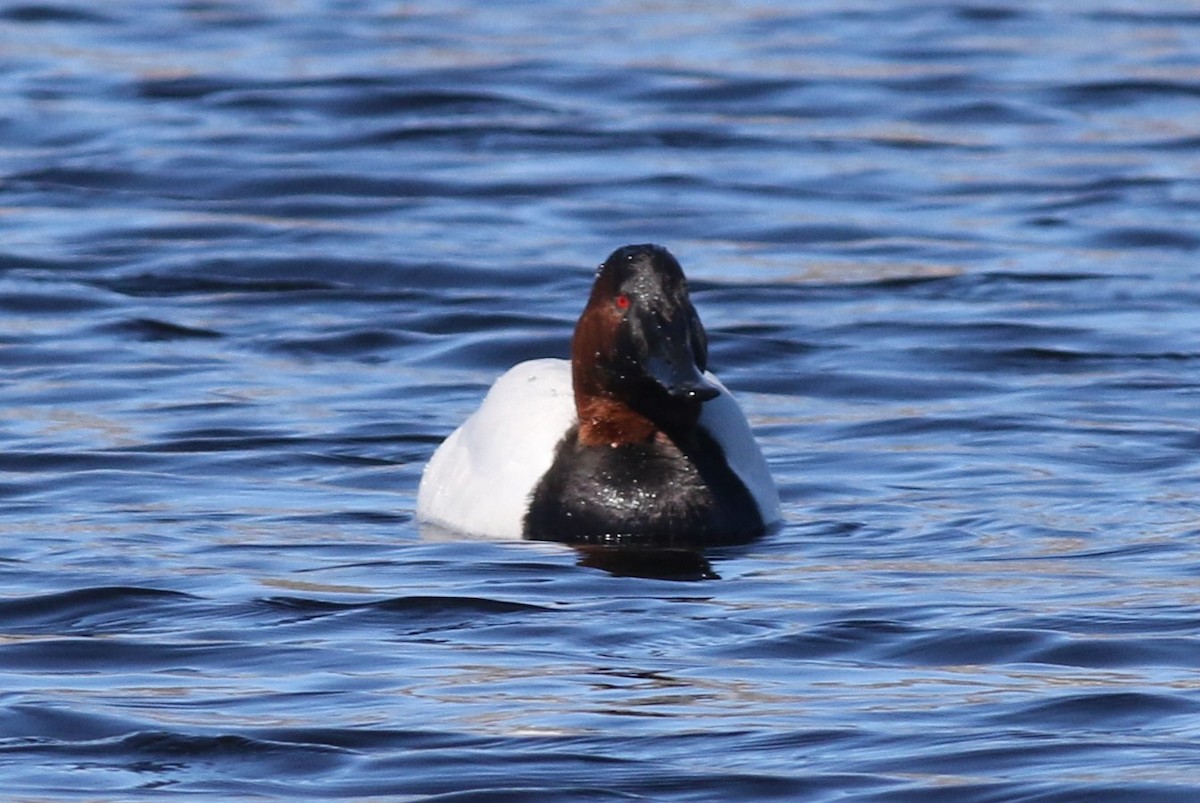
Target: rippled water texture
{"points": [[259, 258]]}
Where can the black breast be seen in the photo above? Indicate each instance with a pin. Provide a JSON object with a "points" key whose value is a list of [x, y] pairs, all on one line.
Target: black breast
{"points": [[657, 493]]}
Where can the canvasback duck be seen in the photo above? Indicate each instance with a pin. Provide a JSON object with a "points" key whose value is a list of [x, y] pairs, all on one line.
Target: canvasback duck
{"points": [[632, 441]]}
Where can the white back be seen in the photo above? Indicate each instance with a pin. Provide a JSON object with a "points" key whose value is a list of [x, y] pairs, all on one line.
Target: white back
{"points": [[480, 479], [724, 420]]}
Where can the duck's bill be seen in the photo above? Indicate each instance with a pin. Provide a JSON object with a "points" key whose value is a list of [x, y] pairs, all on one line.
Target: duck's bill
{"points": [[680, 378]]}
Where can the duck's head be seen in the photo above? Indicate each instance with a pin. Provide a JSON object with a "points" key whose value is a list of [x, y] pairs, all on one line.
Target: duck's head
{"points": [[639, 353]]}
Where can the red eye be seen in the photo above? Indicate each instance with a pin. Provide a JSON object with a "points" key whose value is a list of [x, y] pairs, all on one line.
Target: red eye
{"points": [[622, 302]]}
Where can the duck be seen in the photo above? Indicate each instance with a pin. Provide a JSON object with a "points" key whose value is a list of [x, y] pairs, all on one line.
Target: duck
{"points": [[632, 441]]}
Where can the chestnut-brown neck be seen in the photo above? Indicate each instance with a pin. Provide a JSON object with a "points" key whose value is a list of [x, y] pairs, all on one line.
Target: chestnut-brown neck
{"points": [[605, 421]]}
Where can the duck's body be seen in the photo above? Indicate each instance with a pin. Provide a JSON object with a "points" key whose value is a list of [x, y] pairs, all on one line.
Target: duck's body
{"points": [[483, 479], [632, 440], [480, 480]]}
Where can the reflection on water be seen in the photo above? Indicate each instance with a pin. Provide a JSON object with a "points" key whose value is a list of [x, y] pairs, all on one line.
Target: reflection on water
{"points": [[662, 564]]}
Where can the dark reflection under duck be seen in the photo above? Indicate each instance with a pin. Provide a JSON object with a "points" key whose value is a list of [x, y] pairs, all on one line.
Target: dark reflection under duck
{"points": [[680, 556], [654, 563]]}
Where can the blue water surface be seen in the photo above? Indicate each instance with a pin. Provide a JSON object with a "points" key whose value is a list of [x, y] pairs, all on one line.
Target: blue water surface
{"points": [[258, 259]]}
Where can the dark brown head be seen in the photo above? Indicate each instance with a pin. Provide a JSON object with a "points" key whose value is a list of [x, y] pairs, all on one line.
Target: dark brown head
{"points": [[640, 351]]}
